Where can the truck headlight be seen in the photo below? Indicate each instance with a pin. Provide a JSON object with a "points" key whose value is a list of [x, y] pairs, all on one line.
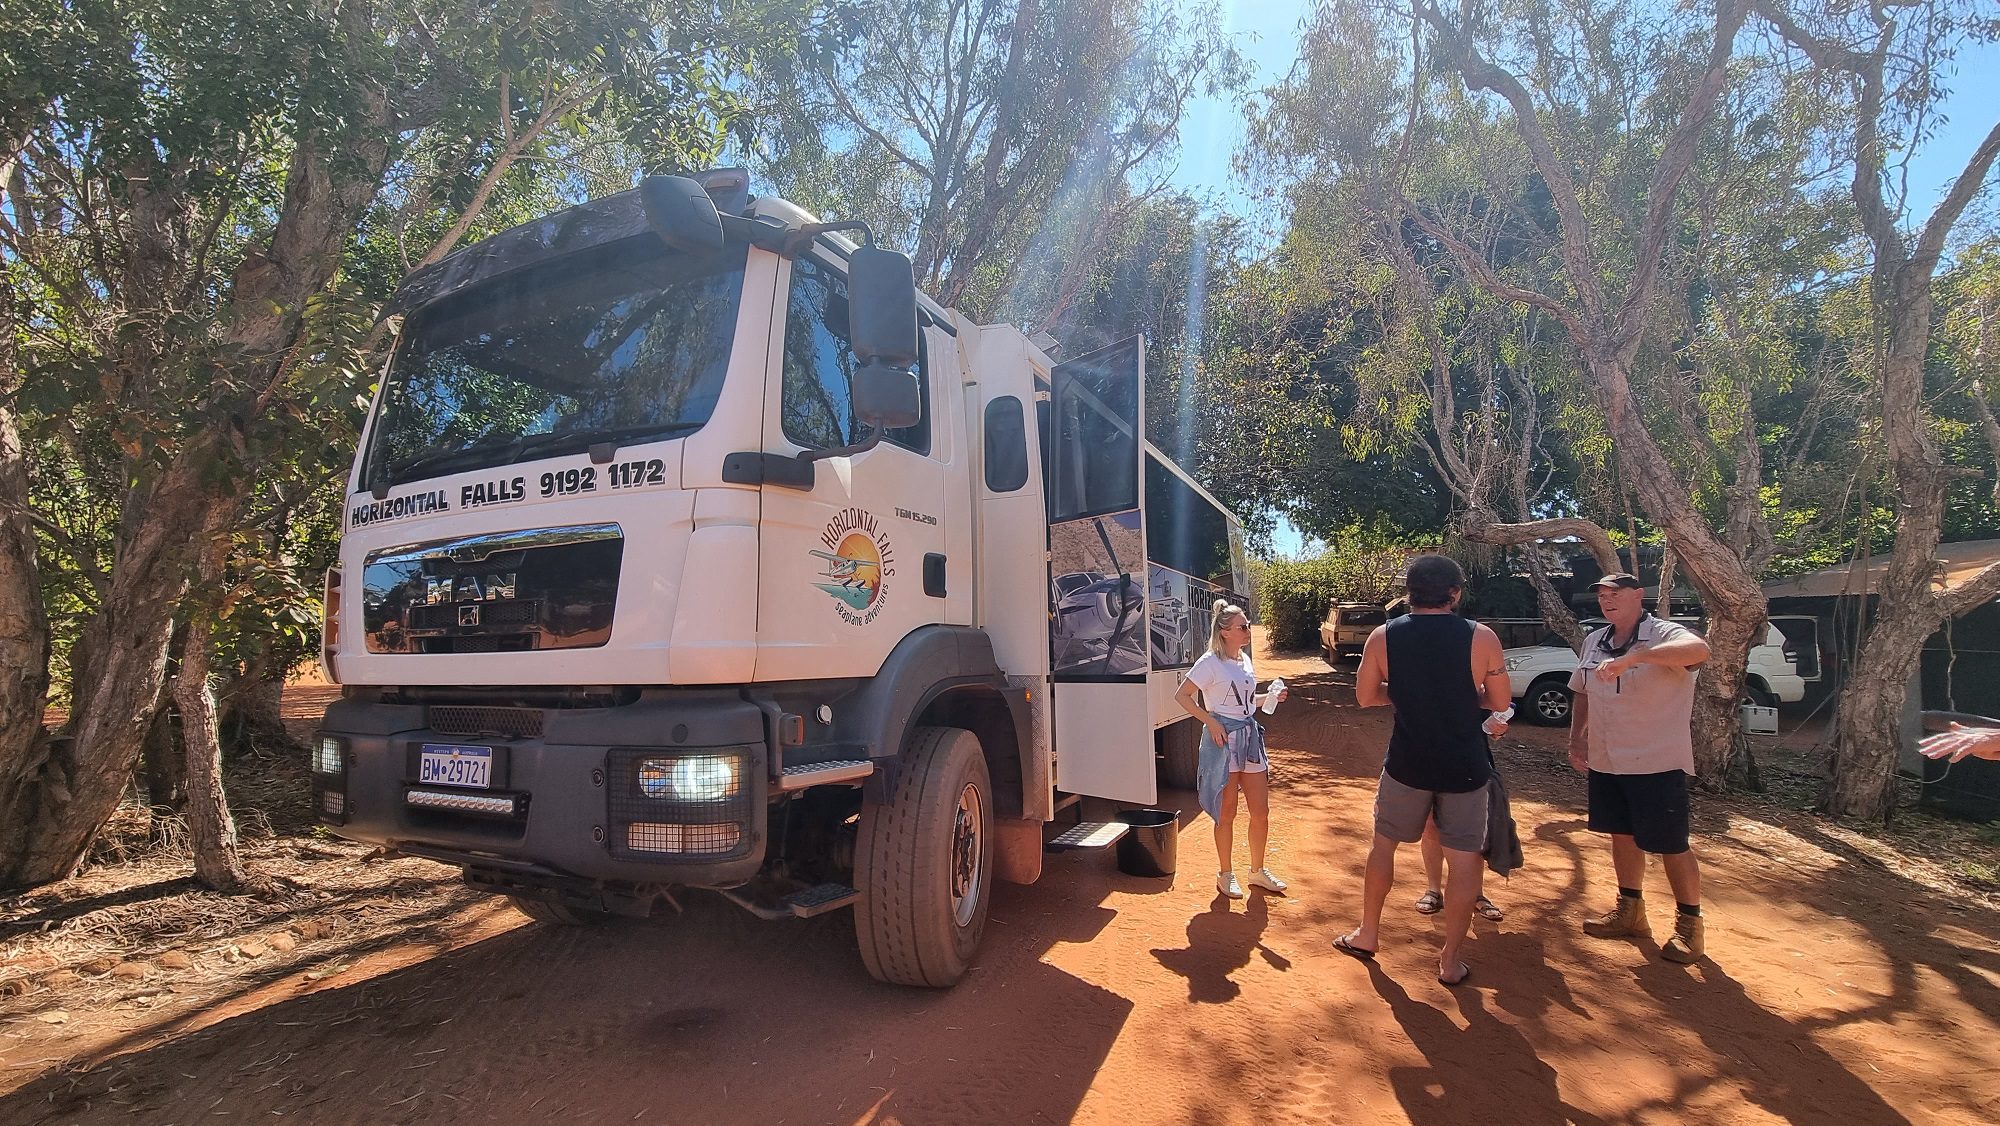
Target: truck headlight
{"points": [[329, 756], [696, 778]]}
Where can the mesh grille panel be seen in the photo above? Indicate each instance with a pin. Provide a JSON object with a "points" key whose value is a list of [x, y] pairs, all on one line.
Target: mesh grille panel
{"points": [[674, 837], [510, 723], [654, 814], [520, 612]]}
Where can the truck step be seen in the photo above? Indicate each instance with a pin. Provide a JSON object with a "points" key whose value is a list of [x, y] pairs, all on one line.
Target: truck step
{"points": [[1088, 834], [805, 774], [819, 900]]}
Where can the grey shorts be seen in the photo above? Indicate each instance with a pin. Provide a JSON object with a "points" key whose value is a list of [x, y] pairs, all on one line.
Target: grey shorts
{"points": [[1400, 813]]}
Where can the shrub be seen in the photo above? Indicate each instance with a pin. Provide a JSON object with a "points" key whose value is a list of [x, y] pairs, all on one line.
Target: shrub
{"points": [[1293, 595]]}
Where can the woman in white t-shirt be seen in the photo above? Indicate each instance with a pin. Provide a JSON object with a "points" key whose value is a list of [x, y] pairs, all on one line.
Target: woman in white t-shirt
{"points": [[1232, 745]]}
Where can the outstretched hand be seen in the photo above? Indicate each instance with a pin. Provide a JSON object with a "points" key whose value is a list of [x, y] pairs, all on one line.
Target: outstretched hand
{"points": [[1962, 742]]}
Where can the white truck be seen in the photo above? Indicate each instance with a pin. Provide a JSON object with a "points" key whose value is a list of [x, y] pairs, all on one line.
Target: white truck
{"points": [[1539, 674], [688, 546]]}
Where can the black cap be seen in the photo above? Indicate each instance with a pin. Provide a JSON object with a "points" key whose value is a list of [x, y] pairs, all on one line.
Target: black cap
{"points": [[1619, 579]]}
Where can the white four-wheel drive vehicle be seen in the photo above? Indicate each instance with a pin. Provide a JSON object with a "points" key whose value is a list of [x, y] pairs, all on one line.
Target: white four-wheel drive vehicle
{"points": [[1539, 674], [1346, 628], [689, 547]]}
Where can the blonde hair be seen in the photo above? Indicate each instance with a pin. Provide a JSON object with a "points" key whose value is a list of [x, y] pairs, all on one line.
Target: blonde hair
{"points": [[1220, 615]]}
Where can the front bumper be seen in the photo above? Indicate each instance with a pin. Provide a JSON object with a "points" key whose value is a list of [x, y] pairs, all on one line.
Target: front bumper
{"points": [[566, 799]]}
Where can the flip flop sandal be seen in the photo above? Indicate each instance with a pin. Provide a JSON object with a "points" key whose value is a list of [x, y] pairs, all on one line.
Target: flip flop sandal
{"points": [[1464, 973], [1345, 947], [1486, 910], [1430, 903]]}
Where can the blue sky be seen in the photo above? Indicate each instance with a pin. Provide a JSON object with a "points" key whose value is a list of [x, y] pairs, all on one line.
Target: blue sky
{"points": [[1267, 31]]}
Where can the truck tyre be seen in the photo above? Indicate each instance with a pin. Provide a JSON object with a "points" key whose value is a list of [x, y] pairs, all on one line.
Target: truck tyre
{"points": [[556, 914], [1548, 702], [1180, 754], [924, 863], [1756, 695]]}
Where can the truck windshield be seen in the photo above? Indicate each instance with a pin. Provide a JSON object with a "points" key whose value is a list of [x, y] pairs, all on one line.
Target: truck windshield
{"points": [[627, 343]]}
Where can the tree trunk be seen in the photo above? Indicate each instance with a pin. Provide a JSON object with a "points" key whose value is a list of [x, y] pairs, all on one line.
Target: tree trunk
{"points": [[212, 831], [1730, 592], [29, 766], [329, 183], [164, 766], [1718, 695], [253, 709], [1556, 613], [1868, 739], [118, 690]]}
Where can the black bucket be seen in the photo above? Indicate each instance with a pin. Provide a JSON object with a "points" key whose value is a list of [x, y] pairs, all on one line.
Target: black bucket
{"points": [[1149, 847]]}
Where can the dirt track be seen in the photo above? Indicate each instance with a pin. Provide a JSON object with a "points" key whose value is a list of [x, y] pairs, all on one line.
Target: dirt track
{"points": [[1838, 992]]}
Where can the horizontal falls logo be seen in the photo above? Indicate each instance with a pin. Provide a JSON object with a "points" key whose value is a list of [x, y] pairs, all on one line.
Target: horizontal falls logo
{"points": [[396, 508], [856, 563]]}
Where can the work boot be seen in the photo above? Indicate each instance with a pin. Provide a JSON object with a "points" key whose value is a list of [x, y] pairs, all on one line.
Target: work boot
{"points": [[1687, 945], [1627, 920]]}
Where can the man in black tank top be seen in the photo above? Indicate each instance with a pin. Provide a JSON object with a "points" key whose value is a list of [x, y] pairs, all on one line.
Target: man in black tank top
{"points": [[1444, 675]]}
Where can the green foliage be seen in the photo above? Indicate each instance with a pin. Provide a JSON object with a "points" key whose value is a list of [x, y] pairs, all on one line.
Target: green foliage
{"points": [[1358, 566], [170, 159], [1008, 144]]}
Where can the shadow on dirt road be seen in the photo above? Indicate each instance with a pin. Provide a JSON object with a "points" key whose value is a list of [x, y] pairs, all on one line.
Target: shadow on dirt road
{"points": [[708, 1016]]}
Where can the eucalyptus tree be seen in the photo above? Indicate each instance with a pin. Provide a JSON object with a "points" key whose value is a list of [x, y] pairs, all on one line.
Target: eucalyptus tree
{"points": [[1579, 222], [189, 306], [1886, 61], [1007, 142]]}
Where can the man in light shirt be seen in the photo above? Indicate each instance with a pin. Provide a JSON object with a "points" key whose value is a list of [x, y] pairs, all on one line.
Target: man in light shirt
{"points": [[1630, 733]]}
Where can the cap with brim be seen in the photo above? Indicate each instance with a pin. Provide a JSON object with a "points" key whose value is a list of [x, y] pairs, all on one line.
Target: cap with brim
{"points": [[1620, 580]]}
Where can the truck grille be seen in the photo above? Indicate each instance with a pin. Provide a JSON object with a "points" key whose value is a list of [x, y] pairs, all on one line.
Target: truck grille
{"points": [[520, 612], [507, 723], [500, 592]]}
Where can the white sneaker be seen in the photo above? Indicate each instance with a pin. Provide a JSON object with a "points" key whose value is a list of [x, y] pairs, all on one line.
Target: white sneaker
{"points": [[1225, 882], [1262, 878]]}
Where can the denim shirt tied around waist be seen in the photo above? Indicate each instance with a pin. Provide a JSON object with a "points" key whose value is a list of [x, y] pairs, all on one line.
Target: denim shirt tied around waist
{"points": [[1240, 737]]}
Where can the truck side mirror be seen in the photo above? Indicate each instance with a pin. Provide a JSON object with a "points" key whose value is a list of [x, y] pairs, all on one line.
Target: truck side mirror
{"points": [[680, 212], [881, 307], [886, 397]]}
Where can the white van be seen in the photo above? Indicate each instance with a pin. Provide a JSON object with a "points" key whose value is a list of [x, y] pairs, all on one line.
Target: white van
{"points": [[1539, 674]]}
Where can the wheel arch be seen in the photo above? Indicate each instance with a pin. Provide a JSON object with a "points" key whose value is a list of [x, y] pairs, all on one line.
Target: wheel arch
{"points": [[984, 710], [943, 676]]}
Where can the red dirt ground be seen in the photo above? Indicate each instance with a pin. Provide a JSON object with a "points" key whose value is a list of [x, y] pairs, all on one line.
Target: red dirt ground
{"points": [[1838, 991]]}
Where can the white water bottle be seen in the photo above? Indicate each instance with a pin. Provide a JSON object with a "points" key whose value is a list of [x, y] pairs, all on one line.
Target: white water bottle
{"points": [[1497, 719], [1271, 695]]}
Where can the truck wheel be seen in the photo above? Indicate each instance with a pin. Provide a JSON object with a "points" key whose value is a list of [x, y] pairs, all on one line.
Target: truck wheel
{"points": [[924, 863], [556, 914], [1757, 695], [1548, 702], [1180, 754]]}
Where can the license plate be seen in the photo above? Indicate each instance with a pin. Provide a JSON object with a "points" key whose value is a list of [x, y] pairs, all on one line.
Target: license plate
{"points": [[446, 765]]}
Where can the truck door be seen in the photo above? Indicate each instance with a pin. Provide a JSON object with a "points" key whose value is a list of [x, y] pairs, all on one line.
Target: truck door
{"points": [[1100, 652], [855, 561]]}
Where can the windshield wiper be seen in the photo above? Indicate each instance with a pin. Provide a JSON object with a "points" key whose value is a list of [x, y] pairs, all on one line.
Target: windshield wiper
{"points": [[624, 435], [397, 474]]}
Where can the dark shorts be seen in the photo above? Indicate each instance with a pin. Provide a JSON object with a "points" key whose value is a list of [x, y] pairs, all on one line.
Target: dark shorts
{"points": [[1652, 809], [1400, 813]]}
